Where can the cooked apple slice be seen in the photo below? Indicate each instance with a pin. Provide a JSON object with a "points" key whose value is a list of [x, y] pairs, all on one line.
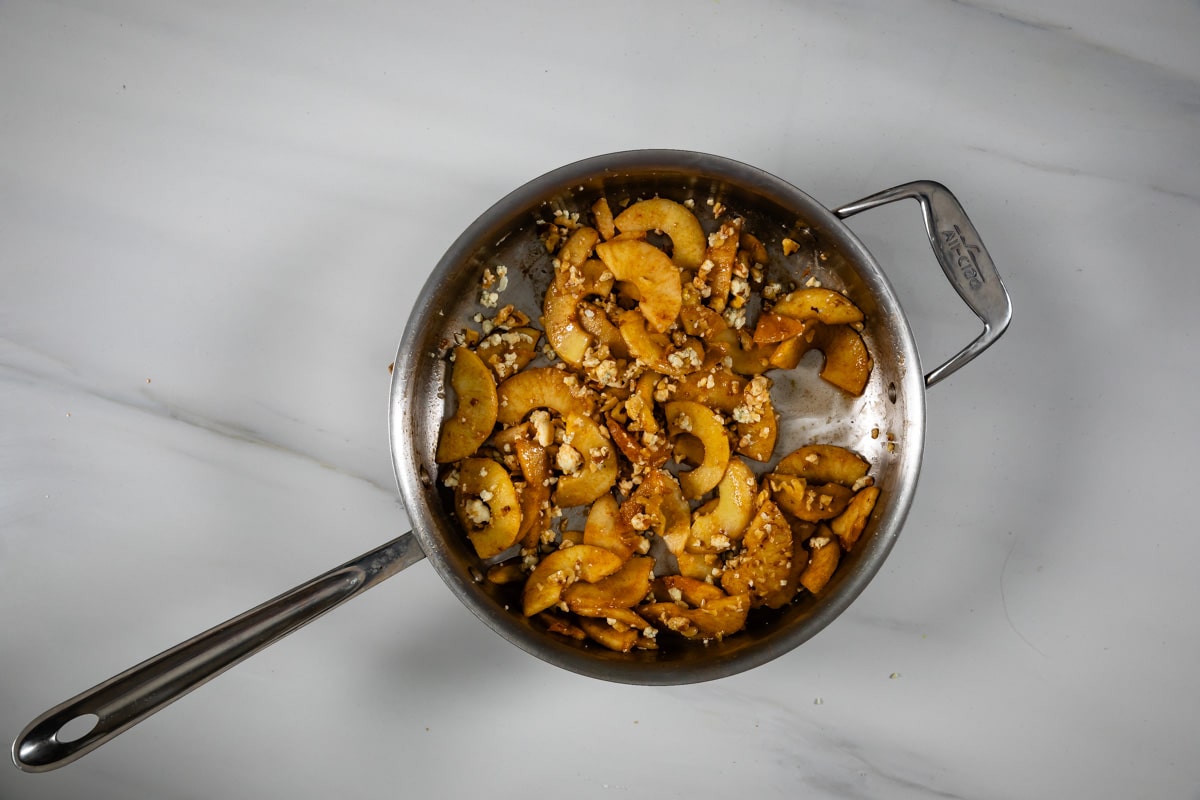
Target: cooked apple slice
{"points": [[561, 305], [535, 498], [556, 623], [824, 555], [604, 218], [651, 272], [587, 461], [486, 505], [475, 411], [626, 587], [765, 562], [701, 321], [690, 591], [717, 529], [596, 324], [509, 352], [577, 248], [847, 362], [787, 354], [636, 450], [605, 527], [826, 305], [773, 328], [745, 357], [688, 416], [658, 505], [600, 631], [508, 572], [542, 387], [655, 349], [558, 570], [718, 618], [848, 526], [824, 463], [807, 501], [676, 221], [716, 387], [716, 271]]}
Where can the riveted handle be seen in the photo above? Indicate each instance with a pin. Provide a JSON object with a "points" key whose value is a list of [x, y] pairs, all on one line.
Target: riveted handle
{"points": [[963, 257]]}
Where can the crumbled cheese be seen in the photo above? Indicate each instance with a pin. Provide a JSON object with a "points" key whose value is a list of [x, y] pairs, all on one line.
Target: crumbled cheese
{"points": [[569, 460], [477, 512], [543, 428]]}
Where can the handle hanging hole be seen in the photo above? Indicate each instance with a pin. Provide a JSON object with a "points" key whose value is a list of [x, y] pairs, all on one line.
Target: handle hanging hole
{"points": [[77, 728]]}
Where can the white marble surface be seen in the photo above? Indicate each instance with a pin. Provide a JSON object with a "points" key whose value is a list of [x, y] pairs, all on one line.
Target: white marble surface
{"points": [[214, 219]]}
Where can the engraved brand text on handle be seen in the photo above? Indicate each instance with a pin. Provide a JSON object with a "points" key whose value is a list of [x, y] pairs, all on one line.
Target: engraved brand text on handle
{"points": [[964, 255]]}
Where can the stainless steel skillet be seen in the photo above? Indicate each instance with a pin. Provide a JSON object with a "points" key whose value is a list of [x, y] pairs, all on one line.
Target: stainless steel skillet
{"points": [[886, 424]]}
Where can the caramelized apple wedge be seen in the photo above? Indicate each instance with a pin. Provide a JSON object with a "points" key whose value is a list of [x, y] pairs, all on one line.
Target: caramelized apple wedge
{"points": [[849, 525], [561, 305], [486, 504], [847, 362], [719, 528], [811, 502], [763, 566], [625, 588], [717, 619], [558, 570], [826, 305], [688, 241], [824, 463], [656, 351], [475, 412], [823, 558], [605, 527], [651, 272], [703, 423], [542, 387], [587, 461]]}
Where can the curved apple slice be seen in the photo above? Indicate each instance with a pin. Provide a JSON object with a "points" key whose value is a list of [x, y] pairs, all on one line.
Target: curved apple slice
{"points": [[826, 305], [486, 504], [720, 617], [847, 361], [605, 527], [598, 630], [688, 241], [823, 560], [577, 247], [476, 411], [716, 530], [561, 305], [687, 416], [765, 562], [850, 523], [597, 471], [595, 322], [558, 570], [824, 463], [657, 280], [811, 502], [626, 587], [542, 387], [654, 349], [535, 499]]}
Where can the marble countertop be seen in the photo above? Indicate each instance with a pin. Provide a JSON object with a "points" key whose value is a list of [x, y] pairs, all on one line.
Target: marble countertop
{"points": [[215, 219]]}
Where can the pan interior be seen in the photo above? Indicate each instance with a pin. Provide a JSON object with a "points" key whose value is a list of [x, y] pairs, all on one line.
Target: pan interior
{"points": [[885, 424]]}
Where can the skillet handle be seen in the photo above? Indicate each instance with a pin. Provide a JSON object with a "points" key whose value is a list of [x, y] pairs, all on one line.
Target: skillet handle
{"points": [[125, 700], [961, 253]]}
